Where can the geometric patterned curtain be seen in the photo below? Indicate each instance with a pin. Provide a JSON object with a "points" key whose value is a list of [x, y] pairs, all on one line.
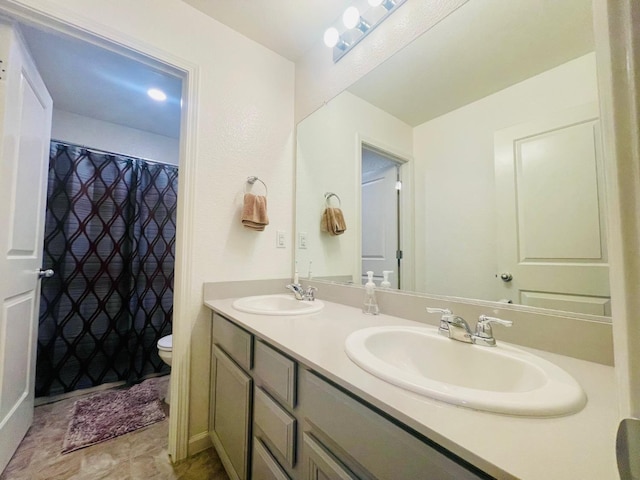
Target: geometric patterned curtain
{"points": [[110, 238]]}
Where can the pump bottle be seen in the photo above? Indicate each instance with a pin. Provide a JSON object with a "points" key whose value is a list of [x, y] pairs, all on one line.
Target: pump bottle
{"points": [[385, 279], [370, 306]]}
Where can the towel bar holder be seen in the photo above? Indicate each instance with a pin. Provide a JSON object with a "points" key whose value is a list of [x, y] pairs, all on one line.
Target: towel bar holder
{"points": [[251, 180], [328, 195]]}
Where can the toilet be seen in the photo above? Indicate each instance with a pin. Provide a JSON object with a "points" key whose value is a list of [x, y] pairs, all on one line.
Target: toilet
{"points": [[165, 345]]}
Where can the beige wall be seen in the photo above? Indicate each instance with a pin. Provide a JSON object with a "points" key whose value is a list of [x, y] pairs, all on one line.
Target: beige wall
{"points": [[244, 127], [89, 132], [328, 145], [454, 177]]}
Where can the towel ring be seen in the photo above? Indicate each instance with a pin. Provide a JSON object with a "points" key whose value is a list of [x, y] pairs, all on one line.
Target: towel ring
{"points": [[252, 180], [328, 195]]}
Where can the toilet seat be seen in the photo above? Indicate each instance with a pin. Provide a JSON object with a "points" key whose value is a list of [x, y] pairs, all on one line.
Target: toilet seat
{"points": [[165, 344]]}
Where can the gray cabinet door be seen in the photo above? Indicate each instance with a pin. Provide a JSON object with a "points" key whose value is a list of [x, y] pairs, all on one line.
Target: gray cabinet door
{"points": [[231, 413], [265, 466], [319, 464]]}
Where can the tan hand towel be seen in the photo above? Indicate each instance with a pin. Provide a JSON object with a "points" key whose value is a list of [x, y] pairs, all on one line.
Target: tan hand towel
{"points": [[254, 212], [333, 221]]}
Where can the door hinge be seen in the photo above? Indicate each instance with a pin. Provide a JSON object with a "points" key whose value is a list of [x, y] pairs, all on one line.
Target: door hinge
{"points": [[398, 254]]}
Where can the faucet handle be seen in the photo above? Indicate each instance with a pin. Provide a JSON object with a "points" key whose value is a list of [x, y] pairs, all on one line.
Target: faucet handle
{"points": [[485, 320], [297, 290], [484, 332], [310, 294], [447, 315]]}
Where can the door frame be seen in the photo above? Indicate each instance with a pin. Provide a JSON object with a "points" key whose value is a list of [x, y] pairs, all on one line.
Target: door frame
{"points": [[69, 23], [617, 35], [407, 273]]}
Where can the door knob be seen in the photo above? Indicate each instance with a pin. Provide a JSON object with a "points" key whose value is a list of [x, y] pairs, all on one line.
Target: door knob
{"points": [[506, 277], [48, 273]]}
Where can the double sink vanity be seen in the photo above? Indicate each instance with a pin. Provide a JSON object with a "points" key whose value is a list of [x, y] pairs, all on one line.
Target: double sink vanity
{"points": [[317, 389]]}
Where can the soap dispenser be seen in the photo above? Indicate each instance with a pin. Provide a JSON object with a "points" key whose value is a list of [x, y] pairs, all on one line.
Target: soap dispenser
{"points": [[385, 279], [370, 306]]}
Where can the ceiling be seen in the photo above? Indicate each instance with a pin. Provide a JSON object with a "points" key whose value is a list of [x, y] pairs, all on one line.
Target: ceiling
{"points": [[288, 27], [480, 49], [483, 47], [88, 80]]}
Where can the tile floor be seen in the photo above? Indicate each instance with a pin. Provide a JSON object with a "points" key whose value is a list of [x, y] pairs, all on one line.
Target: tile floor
{"points": [[137, 455]]}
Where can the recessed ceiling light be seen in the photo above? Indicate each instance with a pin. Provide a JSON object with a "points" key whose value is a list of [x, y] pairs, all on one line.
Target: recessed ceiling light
{"points": [[157, 94]]}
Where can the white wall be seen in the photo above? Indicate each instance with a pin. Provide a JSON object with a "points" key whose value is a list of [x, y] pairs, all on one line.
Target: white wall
{"points": [[454, 175], [244, 126], [327, 153], [318, 79], [89, 132]]}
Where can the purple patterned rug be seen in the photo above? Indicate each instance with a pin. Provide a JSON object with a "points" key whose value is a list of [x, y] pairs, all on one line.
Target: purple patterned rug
{"points": [[113, 413]]}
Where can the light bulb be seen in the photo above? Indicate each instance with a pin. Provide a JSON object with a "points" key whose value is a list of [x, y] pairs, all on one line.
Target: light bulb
{"points": [[331, 37], [375, 3], [351, 17], [157, 94]]}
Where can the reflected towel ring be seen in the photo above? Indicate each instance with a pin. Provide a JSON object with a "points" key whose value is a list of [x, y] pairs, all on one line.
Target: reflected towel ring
{"points": [[252, 180], [328, 195]]}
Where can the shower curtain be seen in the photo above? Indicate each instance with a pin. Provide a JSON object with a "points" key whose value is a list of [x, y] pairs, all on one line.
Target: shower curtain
{"points": [[109, 236]]}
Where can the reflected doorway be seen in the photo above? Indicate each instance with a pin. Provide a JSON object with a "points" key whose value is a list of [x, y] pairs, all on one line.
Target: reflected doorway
{"points": [[381, 204]]}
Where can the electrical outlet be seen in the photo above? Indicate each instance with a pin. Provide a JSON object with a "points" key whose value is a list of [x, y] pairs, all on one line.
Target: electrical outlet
{"points": [[281, 241], [302, 240]]}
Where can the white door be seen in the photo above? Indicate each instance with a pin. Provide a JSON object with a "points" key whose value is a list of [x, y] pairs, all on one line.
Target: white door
{"points": [[380, 224], [550, 204], [25, 113]]}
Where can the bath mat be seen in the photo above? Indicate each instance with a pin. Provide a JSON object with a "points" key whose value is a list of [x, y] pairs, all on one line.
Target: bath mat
{"points": [[113, 413]]}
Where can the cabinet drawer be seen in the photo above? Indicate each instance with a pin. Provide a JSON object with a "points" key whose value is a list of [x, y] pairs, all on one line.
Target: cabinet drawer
{"points": [[275, 373], [233, 340], [264, 466], [275, 427], [381, 447]]}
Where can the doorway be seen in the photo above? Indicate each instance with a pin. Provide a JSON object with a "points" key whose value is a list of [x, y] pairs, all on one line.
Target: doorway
{"points": [[106, 45], [381, 206], [110, 222]]}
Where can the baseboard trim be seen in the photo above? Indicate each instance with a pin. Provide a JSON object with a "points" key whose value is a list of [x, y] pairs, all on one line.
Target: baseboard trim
{"points": [[199, 443]]}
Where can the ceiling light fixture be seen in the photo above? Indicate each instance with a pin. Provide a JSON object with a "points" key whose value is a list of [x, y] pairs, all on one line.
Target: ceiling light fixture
{"points": [[358, 26], [157, 94]]}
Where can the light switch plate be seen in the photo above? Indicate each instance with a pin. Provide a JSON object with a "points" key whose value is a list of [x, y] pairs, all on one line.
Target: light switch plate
{"points": [[281, 241], [302, 240]]}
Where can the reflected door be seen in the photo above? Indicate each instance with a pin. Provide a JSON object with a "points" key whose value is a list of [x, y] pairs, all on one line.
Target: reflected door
{"points": [[25, 106], [380, 217], [551, 229]]}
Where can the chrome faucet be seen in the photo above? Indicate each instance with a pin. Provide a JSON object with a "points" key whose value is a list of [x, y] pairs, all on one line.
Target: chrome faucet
{"points": [[484, 332], [301, 294], [455, 327]]}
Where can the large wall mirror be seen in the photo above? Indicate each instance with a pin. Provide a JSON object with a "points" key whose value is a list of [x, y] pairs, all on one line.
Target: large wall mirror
{"points": [[469, 164]]}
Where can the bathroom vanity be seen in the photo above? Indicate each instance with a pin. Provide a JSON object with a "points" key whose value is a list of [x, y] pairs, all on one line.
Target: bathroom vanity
{"points": [[288, 403]]}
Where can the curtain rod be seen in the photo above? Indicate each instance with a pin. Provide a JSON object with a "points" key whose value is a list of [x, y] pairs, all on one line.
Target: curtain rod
{"points": [[104, 152]]}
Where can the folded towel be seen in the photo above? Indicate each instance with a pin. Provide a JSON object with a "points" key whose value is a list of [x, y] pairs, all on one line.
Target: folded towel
{"points": [[254, 212], [333, 221]]}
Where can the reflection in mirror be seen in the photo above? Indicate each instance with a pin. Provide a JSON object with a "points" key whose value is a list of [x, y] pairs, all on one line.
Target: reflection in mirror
{"points": [[492, 119]]}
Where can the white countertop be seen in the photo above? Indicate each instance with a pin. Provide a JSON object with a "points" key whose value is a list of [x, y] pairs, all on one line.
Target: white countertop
{"points": [[579, 446]]}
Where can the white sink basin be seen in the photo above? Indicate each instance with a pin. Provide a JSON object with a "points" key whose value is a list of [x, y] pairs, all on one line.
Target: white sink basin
{"points": [[500, 379], [280, 304]]}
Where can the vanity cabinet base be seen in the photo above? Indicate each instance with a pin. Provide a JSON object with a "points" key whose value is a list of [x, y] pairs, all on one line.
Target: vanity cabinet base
{"points": [[273, 419]]}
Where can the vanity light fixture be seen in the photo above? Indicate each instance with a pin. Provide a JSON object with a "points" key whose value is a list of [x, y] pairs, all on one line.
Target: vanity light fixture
{"points": [[352, 19], [332, 39], [357, 26]]}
